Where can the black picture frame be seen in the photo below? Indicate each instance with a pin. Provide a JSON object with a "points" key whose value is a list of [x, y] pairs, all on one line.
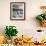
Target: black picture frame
{"points": [[17, 9]]}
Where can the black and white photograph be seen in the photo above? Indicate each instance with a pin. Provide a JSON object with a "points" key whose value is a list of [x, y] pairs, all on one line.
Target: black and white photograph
{"points": [[17, 10]]}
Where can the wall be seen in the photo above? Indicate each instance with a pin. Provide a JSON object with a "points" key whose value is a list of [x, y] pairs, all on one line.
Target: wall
{"points": [[27, 27]]}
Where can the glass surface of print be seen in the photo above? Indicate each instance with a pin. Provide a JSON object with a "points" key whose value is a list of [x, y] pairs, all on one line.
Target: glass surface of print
{"points": [[17, 10]]}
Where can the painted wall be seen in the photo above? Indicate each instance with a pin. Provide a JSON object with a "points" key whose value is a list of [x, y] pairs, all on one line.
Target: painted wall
{"points": [[27, 27]]}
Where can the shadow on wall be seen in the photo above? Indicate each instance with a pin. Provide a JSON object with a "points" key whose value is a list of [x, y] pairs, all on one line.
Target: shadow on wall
{"points": [[34, 22]]}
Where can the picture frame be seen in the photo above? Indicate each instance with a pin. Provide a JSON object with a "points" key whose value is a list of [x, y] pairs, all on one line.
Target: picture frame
{"points": [[17, 10]]}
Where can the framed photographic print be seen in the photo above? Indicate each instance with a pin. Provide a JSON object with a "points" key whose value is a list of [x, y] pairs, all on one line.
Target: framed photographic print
{"points": [[17, 10]]}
